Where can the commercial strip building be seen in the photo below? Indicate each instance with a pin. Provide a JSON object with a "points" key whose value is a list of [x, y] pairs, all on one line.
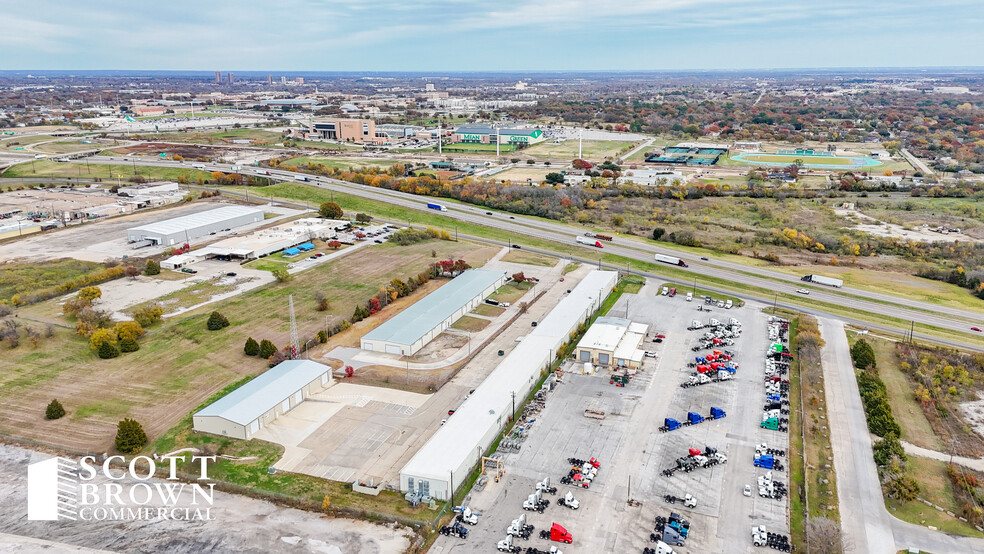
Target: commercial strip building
{"points": [[613, 341], [246, 410], [411, 330], [360, 131], [187, 228], [444, 461], [483, 134]]}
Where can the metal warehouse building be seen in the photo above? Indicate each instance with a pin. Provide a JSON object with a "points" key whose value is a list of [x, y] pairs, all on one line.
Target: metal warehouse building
{"points": [[246, 410], [189, 227], [444, 461], [613, 341], [417, 325], [484, 134]]}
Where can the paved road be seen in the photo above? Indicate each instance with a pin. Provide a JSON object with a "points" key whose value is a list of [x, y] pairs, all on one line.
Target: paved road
{"points": [[865, 520], [636, 149], [916, 162]]}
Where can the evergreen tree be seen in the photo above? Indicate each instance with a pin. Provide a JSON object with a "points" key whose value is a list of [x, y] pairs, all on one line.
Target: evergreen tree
{"points": [[130, 436], [252, 347], [152, 268], [54, 410], [267, 349], [129, 345], [216, 321], [108, 350]]}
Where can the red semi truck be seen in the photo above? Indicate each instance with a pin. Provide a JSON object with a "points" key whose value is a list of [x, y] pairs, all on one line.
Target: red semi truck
{"points": [[557, 533], [589, 242]]}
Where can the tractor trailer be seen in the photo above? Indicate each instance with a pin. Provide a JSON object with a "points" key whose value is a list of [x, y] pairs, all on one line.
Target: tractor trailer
{"points": [[589, 242], [821, 280], [599, 236], [437, 207], [672, 260]]}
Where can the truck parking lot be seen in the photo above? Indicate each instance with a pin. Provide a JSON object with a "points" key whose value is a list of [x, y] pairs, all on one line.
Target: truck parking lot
{"points": [[617, 511]]}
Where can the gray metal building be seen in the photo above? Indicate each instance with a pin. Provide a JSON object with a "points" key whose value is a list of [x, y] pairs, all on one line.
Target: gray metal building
{"points": [[246, 410], [190, 227]]}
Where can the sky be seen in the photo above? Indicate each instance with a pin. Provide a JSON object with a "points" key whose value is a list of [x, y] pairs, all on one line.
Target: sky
{"points": [[489, 35]]}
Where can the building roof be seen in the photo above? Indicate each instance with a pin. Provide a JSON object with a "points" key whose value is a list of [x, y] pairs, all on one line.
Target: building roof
{"points": [[604, 334], [488, 406], [430, 311], [628, 347], [178, 224], [487, 130], [268, 389]]}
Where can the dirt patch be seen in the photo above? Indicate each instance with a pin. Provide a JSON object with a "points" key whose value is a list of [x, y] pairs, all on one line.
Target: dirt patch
{"points": [[186, 151], [973, 413]]}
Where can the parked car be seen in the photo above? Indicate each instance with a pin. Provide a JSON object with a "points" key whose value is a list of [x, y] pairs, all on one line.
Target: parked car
{"points": [[231, 274], [650, 354], [661, 336], [748, 490], [188, 270]]}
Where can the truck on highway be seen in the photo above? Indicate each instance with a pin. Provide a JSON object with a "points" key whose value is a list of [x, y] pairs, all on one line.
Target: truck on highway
{"points": [[821, 280], [599, 236], [300, 178], [672, 260], [589, 242], [437, 207]]}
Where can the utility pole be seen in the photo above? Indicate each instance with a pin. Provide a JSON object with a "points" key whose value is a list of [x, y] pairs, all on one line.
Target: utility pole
{"points": [[695, 286], [514, 404]]}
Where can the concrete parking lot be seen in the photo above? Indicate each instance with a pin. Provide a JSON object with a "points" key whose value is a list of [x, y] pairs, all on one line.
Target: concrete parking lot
{"points": [[633, 453]]}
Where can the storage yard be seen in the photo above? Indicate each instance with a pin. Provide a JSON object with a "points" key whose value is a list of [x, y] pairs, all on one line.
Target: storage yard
{"points": [[630, 499]]}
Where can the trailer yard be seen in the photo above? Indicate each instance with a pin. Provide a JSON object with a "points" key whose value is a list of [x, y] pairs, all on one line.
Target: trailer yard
{"points": [[590, 416]]}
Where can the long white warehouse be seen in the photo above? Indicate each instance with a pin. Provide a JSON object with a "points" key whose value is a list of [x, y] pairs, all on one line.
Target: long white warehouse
{"points": [[445, 460], [187, 228], [414, 327]]}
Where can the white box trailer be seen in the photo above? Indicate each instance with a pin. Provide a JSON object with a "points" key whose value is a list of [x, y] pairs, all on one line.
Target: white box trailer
{"points": [[821, 280], [672, 260]]}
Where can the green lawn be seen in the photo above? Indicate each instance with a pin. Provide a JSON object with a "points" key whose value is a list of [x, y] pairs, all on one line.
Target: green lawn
{"points": [[910, 416], [12, 143], [488, 310], [341, 163], [936, 487], [592, 150], [511, 292], [471, 324], [47, 168], [518, 256], [21, 278]]}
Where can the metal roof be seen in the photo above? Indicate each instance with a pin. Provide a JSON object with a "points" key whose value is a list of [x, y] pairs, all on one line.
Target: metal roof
{"points": [[486, 130], [258, 396], [430, 311], [178, 224], [488, 406], [605, 334]]}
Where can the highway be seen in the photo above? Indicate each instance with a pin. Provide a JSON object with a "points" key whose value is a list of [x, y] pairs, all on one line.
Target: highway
{"points": [[953, 319]]}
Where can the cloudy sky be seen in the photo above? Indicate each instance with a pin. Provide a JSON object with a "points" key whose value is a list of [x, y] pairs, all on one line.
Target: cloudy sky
{"points": [[489, 35]]}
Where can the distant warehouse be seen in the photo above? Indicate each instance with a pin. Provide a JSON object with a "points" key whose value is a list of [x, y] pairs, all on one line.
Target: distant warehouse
{"points": [[417, 325], [190, 227], [246, 410]]}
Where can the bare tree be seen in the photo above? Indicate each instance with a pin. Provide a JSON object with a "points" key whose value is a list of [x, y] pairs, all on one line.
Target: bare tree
{"points": [[824, 536]]}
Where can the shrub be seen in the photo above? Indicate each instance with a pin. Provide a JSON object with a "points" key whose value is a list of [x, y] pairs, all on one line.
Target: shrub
{"points": [[128, 330], [100, 337], [148, 315], [282, 275], [330, 210], [108, 350], [131, 271], [658, 233], [216, 321], [876, 408], [322, 336], [863, 355], [54, 410], [129, 345], [152, 268], [252, 347], [322, 301], [267, 349], [130, 436], [88, 294]]}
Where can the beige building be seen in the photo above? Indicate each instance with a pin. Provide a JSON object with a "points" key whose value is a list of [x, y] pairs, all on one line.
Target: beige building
{"points": [[251, 407], [613, 341], [362, 131]]}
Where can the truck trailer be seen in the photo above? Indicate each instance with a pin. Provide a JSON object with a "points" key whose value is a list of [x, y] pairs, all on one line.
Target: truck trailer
{"points": [[599, 236], [821, 280], [672, 260], [437, 207], [588, 241]]}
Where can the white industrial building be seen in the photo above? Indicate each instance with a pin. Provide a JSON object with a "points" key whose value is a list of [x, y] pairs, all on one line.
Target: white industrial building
{"points": [[652, 177], [613, 341], [445, 460], [149, 189], [251, 407], [417, 325], [274, 239], [180, 230]]}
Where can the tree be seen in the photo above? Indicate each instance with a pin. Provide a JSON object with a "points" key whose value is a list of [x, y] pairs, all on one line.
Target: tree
{"points": [[554, 178], [108, 350], [658, 233], [330, 210], [518, 277], [349, 371], [902, 488], [824, 536], [252, 347], [129, 345], [131, 271], [267, 348], [322, 336], [88, 294], [863, 355], [100, 337], [128, 330], [282, 275], [148, 315], [152, 268], [130, 436], [216, 321], [54, 410], [363, 218], [334, 244]]}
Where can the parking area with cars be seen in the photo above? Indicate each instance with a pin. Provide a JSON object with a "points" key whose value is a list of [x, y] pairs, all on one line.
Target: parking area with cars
{"points": [[629, 503]]}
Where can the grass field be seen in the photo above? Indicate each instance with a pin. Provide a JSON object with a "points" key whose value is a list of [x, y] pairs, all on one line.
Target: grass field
{"points": [[66, 147], [488, 310], [180, 362], [511, 292], [522, 257], [935, 486], [24, 278], [522, 174], [12, 143], [592, 150], [470, 324], [341, 163], [47, 168], [915, 427]]}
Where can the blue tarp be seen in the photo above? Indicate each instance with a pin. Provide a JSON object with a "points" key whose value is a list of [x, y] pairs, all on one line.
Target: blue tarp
{"points": [[291, 252], [306, 246]]}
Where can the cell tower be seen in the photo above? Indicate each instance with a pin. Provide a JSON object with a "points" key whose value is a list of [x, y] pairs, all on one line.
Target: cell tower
{"points": [[295, 346]]}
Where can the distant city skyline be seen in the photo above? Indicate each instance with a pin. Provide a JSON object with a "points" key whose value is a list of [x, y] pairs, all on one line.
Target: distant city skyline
{"points": [[475, 35]]}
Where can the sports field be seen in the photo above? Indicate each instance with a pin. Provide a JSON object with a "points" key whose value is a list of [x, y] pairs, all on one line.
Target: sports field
{"points": [[814, 162]]}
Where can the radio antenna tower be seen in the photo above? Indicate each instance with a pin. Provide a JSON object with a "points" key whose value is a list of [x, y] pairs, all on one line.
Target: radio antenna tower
{"points": [[295, 347]]}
